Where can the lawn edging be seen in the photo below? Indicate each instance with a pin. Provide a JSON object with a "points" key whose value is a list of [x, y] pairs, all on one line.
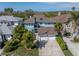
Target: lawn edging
{"points": [[63, 46]]}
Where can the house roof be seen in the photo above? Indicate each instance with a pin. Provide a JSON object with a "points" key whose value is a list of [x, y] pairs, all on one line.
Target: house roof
{"points": [[9, 18], [29, 21], [61, 19], [1, 39], [4, 29], [46, 31]]}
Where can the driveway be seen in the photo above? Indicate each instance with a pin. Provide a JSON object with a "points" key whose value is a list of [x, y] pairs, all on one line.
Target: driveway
{"points": [[51, 48], [1, 51], [73, 47]]}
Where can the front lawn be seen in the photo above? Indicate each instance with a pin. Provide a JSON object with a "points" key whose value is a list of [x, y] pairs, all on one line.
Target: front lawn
{"points": [[21, 51]]}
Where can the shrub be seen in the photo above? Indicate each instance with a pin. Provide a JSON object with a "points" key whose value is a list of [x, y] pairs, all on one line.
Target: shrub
{"points": [[10, 46], [67, 34], [7, 47], [76, 39]]}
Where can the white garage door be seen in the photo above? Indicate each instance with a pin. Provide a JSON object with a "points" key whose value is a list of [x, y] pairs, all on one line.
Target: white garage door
{"points": [[47, 38], [44, 38], [51, 38]]}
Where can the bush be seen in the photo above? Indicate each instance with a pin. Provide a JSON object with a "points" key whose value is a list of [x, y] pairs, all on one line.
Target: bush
{"points": [[76, 39], [67, 34], [10, 46]]}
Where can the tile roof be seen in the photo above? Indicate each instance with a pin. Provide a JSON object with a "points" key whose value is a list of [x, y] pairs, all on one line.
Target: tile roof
{"points": [[29, 21], [46, 31], [62, 19]]}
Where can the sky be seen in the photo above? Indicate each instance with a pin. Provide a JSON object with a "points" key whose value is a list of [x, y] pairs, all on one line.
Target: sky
{"points": [[39, 6]]}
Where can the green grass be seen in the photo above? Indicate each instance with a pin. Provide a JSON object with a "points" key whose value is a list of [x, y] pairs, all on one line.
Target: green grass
{"points": [[63, 46], [23, 52], [67, 53]]}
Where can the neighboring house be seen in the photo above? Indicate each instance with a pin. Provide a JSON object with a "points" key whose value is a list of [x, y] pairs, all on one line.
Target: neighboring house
{"points": [[10, 20], [6, 33], [7, 24]]}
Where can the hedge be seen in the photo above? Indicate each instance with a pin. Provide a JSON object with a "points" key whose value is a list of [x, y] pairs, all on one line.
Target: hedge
{"points": [[63, 46]]}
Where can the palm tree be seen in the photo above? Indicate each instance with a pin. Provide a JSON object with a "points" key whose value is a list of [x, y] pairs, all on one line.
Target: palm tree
{"points": [[74, 17], [73, 8], [58, 28]]}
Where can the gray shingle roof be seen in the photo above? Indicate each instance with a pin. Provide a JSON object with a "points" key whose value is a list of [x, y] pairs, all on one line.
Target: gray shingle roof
{"points": [[10, 18], [5, 30], [1, 39]]}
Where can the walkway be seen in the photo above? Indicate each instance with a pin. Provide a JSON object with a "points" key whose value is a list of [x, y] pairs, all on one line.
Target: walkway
{"points": [[74, 47]]}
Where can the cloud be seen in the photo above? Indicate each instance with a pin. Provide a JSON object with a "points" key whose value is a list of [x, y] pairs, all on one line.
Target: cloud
{"points": [[69, 5]]}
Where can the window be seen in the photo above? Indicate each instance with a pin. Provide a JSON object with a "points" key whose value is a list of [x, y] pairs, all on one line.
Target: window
{"points": [[1, 22], [12, 23], [68, 25]]}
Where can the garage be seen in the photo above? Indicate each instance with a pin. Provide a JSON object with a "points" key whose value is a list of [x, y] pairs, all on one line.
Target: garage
{"points": [[46, 34], [47, 38], [51, 38]]}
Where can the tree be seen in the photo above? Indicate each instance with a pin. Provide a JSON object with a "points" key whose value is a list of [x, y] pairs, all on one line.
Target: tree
{"points": [[50, 14], [29, 12], [8, 10], [58, 27], [74, 17], [18, 32], [28, 39]]}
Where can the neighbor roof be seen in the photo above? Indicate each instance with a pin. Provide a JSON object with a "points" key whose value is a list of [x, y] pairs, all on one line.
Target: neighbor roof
{"points": [[29, 21], [10, 18], [62, 19], [5, 30], [46, 31]]}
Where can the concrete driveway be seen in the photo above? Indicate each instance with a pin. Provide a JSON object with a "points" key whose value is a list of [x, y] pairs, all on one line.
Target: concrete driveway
{"points": [[51, 48], [1, 51], [73, 47]]}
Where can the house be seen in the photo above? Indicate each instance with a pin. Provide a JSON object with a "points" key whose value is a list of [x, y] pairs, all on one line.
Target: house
{"points": [[39, 23], [6, 33], [10, 20], [7, 24], [42, 21]]}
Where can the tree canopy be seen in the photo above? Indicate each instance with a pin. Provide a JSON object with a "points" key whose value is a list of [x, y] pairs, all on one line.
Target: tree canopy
{"points": [[21, 38], [8, 10], [29, 12], [58, 27]]}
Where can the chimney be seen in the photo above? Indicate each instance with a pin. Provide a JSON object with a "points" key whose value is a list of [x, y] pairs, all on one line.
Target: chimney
{"points": [[59, 13], [30, 17]]}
